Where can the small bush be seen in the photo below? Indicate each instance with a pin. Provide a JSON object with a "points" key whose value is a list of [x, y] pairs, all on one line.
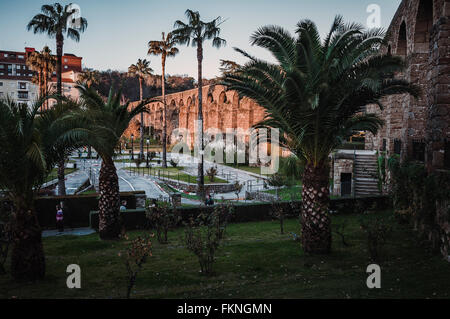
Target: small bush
{"points": [[278, 212], [135, 257], [173, 163], [204, 235], [163, 218], [377, 231], [211, 172]]}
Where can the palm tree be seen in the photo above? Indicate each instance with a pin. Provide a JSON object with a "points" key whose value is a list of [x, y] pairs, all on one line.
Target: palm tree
{"points": [[34, 63], [314, 95], [195, 32], [107, 123], [31, 142], [54, 22], [165, 48], [89, 77], [48, 62], [142, 70]]}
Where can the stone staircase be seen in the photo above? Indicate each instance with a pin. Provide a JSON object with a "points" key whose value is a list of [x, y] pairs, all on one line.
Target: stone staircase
{"points": [[365, 174]]}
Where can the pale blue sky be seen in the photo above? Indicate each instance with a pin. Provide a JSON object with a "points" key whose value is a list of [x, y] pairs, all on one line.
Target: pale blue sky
{"points": [[119, 30]]}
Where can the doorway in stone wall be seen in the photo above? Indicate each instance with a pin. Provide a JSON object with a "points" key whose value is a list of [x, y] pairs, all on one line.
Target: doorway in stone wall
{"points": [[346, 184]]}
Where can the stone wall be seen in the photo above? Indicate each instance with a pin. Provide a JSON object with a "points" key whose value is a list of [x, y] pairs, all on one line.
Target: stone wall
{"points": [[420, 33], [341, 166], [221, 110]]}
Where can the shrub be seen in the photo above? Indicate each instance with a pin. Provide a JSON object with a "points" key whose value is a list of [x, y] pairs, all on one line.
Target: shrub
{"points": [[422, 199], [173, 163], [377, 231], [204, 234], [135, 257], [237, 188], [163, 218], [277, 180], [138, 161], [212, 172], [278, 212]]}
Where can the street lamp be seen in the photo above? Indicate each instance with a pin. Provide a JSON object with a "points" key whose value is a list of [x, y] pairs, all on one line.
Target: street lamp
{"points": [[148, 143], [132, 146]]}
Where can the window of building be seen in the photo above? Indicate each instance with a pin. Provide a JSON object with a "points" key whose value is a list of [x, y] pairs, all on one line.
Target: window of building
{"points": [[1, 66], [1, 83], [22, 95], [65, 67], [383, 148], [22, 86], [397, 146], [65, 60], [5, 55], [418, 148], [21, 57]]}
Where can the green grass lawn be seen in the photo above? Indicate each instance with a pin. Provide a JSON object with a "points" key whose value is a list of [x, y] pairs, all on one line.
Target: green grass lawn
{"points": [[288, 193], [175, 173], [255, 261], [54, 174]]}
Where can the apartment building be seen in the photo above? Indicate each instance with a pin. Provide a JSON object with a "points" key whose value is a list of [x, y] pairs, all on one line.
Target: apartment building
{"points": [[16, 78]]}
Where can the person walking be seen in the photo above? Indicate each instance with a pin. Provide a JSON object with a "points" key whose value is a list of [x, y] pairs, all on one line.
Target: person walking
{"points": [[59, 218]]}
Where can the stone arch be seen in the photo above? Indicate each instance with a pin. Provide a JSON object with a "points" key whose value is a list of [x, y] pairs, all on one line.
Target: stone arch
{"points": [[210, 98], [402, 42], [222, 97], [424, 24]]}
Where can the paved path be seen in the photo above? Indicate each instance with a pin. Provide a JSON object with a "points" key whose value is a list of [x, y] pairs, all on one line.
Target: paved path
{"points": [[130, 182], [69, 231]]}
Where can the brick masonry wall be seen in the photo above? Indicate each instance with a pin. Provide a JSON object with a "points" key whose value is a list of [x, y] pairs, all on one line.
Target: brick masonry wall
{"points": [[425, 47], [221, 110]]}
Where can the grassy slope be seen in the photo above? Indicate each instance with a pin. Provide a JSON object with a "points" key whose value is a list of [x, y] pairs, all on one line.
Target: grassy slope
{"points": [[54, 173], [254, 262]]}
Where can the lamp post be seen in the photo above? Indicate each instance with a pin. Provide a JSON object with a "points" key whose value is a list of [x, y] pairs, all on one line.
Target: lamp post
{"points": [[132, 146], [148, 143]]}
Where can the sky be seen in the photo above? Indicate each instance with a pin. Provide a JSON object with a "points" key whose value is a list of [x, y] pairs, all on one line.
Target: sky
{"points": [[119, 30]]}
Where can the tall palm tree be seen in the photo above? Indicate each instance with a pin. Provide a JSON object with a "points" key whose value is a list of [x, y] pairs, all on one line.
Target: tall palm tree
{"points": [[165, 48], [54, 22], [314, 95], [142, 70], [196, 32], [107, 121], [34, 63], [48, 62], [31, 142], [89, 77]]}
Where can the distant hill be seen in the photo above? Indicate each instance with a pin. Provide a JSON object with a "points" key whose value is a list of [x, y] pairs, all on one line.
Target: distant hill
{"points": [[151, 87]]}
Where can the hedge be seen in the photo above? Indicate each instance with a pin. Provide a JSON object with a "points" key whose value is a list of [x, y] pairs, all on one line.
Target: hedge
{"points": [[77, 208], [136, 219]]}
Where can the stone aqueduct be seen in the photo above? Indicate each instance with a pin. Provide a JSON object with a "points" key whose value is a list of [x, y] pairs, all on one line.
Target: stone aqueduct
{"points": [[419, 128], [221, 109], [415, 128]]}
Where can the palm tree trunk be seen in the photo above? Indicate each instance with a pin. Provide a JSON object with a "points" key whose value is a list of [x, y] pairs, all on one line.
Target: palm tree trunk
{"points": [[59, 52], [61, 178], [27, 255], [316, 227], [141, 142], [45, 88], [109, 202], [164, 136], [201, 177]]}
